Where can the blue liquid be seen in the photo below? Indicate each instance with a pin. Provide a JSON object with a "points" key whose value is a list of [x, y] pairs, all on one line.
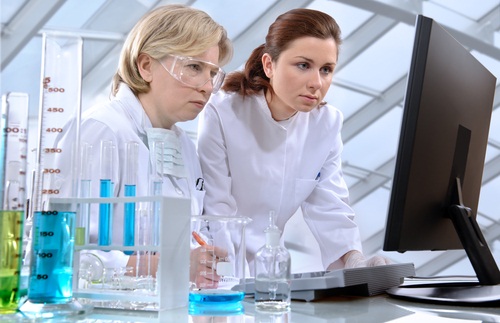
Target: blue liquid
{"points": [[51, 272], [129, 226], [104, 238], [215, 301]]}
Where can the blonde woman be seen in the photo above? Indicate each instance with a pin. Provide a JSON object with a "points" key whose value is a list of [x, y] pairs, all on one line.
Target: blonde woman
{"points": [[169, 67]]}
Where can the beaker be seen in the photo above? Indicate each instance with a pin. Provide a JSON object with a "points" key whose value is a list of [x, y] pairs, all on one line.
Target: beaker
{"points": [[50, 290], [218, 264], [13, 147], [11, 231], [51, 271]]}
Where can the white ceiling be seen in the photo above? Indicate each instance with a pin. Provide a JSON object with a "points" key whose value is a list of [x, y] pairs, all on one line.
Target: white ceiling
{"points": [[368, 86]]}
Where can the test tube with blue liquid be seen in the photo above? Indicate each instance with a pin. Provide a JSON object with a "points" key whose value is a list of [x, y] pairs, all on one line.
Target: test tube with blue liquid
{"points": [[157, 187], [106, 190], [130, 191]]}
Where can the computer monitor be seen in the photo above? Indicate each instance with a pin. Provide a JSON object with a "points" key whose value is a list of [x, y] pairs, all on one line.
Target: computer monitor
{"points": [[440, 162]]}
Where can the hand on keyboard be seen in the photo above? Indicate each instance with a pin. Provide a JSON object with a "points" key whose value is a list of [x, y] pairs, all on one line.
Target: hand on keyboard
{"points": [[356, 259]]}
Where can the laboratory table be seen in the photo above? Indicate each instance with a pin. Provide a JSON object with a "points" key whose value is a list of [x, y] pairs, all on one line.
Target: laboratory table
{"points": [[381, 308]]}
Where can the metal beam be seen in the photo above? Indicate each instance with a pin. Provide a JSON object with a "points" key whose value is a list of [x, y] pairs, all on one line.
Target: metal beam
{"points": [[491, 170], [408, 15], [255, 34], [362, 38], [372, 182], [24, 26], [373, 110]]}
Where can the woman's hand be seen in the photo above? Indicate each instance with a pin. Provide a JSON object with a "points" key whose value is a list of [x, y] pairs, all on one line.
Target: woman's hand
{"points": [[355, 259], [203, 266]]}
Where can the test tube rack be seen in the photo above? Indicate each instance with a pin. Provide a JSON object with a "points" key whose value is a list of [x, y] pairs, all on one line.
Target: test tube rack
{"points": [[171, 287]]}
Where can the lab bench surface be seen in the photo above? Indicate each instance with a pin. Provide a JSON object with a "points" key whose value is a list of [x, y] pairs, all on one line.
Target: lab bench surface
{"points": [[381, 308]]}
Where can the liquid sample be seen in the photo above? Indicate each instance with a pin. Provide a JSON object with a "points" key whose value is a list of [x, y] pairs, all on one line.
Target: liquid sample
{"points": [[216, 296], [80, 236], [129, 217], [215, 301], [272, 295], [83, 222], [104, 238], [11, 231], [51, 272]]}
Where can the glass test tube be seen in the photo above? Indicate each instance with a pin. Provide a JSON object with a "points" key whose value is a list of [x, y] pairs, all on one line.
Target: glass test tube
{"points": [[106, 190], [130, 190], [157, 187], [83, 220]]}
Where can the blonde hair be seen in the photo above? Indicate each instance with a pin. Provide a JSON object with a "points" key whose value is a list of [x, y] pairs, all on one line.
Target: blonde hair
{"points": [[170, 29]]}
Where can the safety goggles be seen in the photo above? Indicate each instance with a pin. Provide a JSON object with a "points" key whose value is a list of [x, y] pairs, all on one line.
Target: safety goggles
{"points": [[195, 72]]}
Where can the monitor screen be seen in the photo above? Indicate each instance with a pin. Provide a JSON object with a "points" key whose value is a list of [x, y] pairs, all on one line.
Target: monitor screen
{"points": [[442, 148]]}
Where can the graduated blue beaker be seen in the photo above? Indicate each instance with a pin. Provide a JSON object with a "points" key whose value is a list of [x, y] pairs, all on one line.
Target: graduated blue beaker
{"points": [[50, 290], [51, 271]]}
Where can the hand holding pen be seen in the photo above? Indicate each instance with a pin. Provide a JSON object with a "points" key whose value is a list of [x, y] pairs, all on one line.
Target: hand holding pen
{"points": [[204, 263]]}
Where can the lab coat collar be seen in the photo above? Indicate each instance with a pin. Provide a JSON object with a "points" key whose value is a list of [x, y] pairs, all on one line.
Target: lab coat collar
{"points": [[262, 104], [134, 109]]}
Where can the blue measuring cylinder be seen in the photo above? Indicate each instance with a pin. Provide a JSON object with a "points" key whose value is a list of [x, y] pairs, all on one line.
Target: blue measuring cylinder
{"points": [[51, 272]]}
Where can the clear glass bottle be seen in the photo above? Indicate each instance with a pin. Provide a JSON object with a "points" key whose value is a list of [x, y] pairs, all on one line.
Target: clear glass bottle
{"points": [[272, 272]]}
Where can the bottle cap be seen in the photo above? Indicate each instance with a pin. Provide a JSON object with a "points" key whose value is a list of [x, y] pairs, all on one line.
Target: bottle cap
{"points": [[273, 233]]}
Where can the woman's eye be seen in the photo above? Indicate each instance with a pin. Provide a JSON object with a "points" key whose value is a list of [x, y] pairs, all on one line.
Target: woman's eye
{"points": [[326, 70], [303, 66], [195, 67]]}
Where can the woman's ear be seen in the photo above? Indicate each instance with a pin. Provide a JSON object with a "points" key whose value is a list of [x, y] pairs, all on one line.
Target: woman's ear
{"points": [[267, 65], [145, 67]]}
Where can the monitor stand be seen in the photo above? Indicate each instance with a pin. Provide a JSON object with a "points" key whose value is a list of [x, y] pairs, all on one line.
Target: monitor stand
{"points": [[486, 292], [462, 294]]}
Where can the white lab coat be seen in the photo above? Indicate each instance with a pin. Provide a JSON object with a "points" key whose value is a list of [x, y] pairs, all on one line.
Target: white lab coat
{"points": [[253, 164], [122, 120]]}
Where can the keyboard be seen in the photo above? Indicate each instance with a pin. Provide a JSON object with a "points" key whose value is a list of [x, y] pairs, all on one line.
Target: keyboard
{"points": [[363, 281]]}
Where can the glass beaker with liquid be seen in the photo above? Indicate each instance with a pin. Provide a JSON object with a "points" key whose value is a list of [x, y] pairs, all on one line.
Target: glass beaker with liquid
{"points": [[218, 264], [51, 270], [13, 147], [11, 228]]}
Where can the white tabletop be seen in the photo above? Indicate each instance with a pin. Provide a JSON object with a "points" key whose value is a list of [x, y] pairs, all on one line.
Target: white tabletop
{"points": [[334, 309]]}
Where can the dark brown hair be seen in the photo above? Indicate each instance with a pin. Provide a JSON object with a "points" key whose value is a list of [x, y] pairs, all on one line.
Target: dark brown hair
{"points": [[294, 24]]}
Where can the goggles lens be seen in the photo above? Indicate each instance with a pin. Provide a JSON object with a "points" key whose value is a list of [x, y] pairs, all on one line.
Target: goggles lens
{"points": [[195, 72]]}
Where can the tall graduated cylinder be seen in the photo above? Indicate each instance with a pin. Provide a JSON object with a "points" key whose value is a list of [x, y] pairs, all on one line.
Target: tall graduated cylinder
{"points": [[218, 264], [53, 226]]}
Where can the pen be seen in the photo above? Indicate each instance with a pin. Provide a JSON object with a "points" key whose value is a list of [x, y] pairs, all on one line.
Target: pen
{"points": [[199, 239]]}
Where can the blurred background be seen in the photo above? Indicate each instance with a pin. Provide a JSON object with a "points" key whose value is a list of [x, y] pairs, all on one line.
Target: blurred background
{"points": [[368, 87]]}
